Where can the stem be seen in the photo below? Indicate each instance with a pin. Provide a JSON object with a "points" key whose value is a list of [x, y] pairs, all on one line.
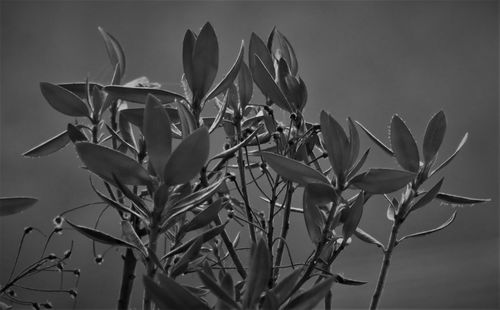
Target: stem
{"points": [[385, 265], [128, 277], [284, 229], [328, 300]]}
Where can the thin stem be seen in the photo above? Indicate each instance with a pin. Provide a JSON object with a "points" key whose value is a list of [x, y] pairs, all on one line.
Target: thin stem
{"points": [[328, 300], [284, 228], [385, 266], [128, 276]]}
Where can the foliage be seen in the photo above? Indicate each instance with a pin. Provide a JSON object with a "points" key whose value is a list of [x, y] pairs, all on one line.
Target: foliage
{"points": [[149, 150]]}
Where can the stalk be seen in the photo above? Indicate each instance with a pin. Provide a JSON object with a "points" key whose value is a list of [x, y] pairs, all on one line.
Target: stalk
{"points": [[128, 277], [284, 228]]}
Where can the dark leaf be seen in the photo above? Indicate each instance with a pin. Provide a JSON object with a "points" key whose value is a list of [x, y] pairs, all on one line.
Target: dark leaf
{"points": [[283, 48], [50, 146], [293, 170], [132, 237], [188, 158], [245, 85], [140, 94], [127, 134], [106, 162], [257, 47], [191, 253], [188, 122], [310, 298], [459, 200], [100, 236], [115, 51], [220, 114], [316, 195], [157, 134], [270, 302], [220, 293], [205, 61], [78, 88], [205, 217], [63, 100], [345, 281], [354, 213], [382, 181], [124, 143], [258, 275], [336, 143], [75, 135], [366, 237], [404, 145], [430, 231], [428, 197], [353, 142], [358, 165], [285, 287], [231, 151], [13, 205], [376, 140], [187, 56], [434, 135], [265, 82], [449, 159], [229, 77]]}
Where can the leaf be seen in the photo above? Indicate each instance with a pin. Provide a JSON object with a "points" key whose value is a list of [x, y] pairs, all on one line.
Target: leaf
{"points": [[391, 209], [231, 151], [132, 237], [382, 180], [404, 145], [245, 86], [106, 162], [286, 50], [430, 231], [220, 114], [434, 135], [460, 200], [63, 100], [353, 142], [188, 122], [79, 88], [345, 281], [188, 158], [191, 253], [366, 237], [205, 217], [310, 298], [138, 202], [336, 144], [284, 288], [220, 293], [353, 214], [205, 61], [257, 47], [124, 143], [358, 165], [187, 56], [157, 134], [258, 275], [100, 236], [171, 295], [316, 194], [376, 140], [428, 197], [74, 134], [140, 94], [293, 170], [206, 236], [13, 205], [115, 51], [127, 134], [449, 159], [229, 77], [266, 84], [50, 146]]}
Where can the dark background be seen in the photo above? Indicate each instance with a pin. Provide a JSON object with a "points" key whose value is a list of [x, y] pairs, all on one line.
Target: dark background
{"points": [[360, 59]]}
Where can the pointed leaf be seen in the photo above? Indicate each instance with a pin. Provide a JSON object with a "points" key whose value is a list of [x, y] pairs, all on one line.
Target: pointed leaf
{"points": [[281, 43], [115, 51], [140, 94], [310, 298], [132, 237], [428, 197], [75, 135], [205, 217], [285, 287], [220, 114], [257, 47], [188, 122], [106, 162], [258, 275], [430, 231], [382, 181], [78, 88], [50, 146], [188, 158], [265, 82], [63, 100], [187, 56], [376, 140], [353, 142], [459, 200], [354, 213], [229, 77], [13, 205], [336, 143], [220, 293], [345, 281], [293, 170], [205, 61], [449, 159], [100, 236], [245, 85], [358, 165], [434, 135], [404, 145], [366, 237], [192, 252], [157, 134], [316, 194]]}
